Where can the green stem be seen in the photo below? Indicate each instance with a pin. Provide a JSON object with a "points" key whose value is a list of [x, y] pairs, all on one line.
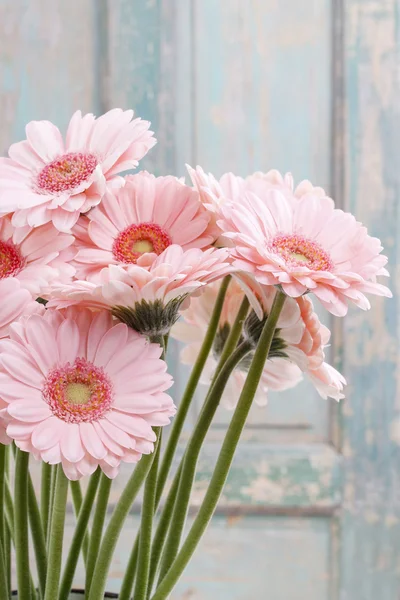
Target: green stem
{"points": [[3, 468], [97, 527], [51, 502], [39, 542], [3, 573], [9, 506], [160, 535], [115, 525], [7, 554], [226, 454], [57, 522], [79, 534], [21, 524], [205, 419], [163, 526], [146, 528], [45, 493], [156, 547], [77, 500], [184, 405]]}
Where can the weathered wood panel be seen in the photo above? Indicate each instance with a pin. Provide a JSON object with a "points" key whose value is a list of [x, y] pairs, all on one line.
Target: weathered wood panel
{"points": [[47, 63], [370, 530]]}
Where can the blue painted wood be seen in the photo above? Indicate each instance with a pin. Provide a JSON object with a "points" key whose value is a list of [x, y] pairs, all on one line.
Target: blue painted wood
{"points": [[46, 63], [370, 545]]}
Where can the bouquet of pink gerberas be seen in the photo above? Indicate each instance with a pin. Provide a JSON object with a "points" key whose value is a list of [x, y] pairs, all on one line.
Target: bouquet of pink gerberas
{"points": [[97, 271]]}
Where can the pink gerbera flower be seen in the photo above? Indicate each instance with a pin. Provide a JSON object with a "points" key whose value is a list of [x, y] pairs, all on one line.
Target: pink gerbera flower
{"points": [[16, 301], [35, 257], [279, 372], [147, 215], [215, 192], [47, 180], [83, 390], [305, 246], [148, 298]]}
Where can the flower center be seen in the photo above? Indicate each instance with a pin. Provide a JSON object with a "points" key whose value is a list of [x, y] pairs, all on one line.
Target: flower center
{"points": [[11, 259], [135, 240], [297, 250], [78, 393], [66, 172]]}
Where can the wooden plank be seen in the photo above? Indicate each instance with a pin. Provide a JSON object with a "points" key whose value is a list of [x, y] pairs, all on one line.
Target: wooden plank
{"points": [[371, 436], [46, 63], [262, 86], [245, 558], [149, 71]]}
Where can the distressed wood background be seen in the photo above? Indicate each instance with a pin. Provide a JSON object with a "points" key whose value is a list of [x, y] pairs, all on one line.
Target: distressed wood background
{"points": [[312, 506]]}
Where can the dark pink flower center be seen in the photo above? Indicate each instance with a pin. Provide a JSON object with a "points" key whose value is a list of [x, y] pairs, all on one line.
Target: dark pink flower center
{"points": [[66, 172], [78, 393], [135, 240], [299, 251], [11, 259]]}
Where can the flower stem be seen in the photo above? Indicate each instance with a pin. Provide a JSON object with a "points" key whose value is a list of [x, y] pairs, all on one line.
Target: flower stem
{"points": [[45, 492], [97, 527], [79, 535], [56, 535], [184, 405], [51, 502], [226, 454], [39, 542], [115, 525], [146, 527], [77, 500], [190, 459], [21, 524], [3, 561]]}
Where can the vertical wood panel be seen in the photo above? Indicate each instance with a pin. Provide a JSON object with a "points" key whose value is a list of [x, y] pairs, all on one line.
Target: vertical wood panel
{"points": [[149, 61], [46, 63], [371, 436], [263, 86]]}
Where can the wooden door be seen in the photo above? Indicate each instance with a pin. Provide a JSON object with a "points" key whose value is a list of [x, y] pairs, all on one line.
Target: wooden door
{"points": [[311, 509]]}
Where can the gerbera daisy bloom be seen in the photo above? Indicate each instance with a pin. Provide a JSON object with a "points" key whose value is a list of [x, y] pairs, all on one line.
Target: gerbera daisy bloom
{"points": [[16, 302], [214, 192], [34, 256], [279, 372], [148, 298], [83, 390], [46, 179], [307, 246], [147, 215], [297, 348]]}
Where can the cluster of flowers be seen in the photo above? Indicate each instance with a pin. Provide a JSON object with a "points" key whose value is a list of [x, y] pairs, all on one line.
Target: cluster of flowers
{"points": [[120, 259]]}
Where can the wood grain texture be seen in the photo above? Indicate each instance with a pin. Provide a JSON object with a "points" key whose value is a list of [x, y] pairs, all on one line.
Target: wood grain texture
{"points": [[370, 528], [46, 63]]}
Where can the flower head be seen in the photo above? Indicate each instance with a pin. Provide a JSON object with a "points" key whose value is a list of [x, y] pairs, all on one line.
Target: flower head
{"points": [[297, 347], [46, 179], [36, 257], [307, 246], [83, 390], [16, 302], [145, 216], [148, 296]]}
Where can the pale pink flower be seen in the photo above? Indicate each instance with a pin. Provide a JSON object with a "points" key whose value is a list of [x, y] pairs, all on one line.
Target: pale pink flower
{"points": [[298, 345], [147, 215], [215, 192], [326, 379], [46, 179], [307, 246], [148, 296], [16, 302], [83, 390], [36, 257], [279, 373]]}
